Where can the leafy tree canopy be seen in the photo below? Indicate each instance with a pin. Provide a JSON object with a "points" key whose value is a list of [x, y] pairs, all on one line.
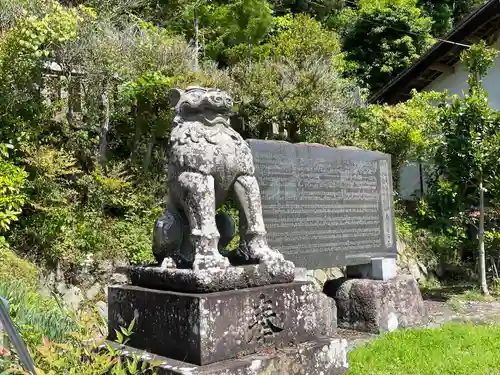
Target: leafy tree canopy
{"points": [[380, 41], [447, 13]]}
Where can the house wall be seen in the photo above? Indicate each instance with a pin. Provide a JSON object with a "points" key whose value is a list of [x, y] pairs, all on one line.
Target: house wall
{"points": [[456, 82], [409, 182]]}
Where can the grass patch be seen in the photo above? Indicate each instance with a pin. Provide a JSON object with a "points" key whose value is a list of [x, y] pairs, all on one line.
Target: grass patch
{"points": [[458, 349]]}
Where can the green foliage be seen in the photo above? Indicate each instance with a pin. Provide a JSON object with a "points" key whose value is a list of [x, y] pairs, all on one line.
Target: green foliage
{"points": [[478, 59], [470, 138], [321, 10], [228, 30], [73, 206], [13, 267], [380, 41], [447, 13], [299, 88], [34, 315], [12, 179], [230, 208], [114, 220], [466, 166], [83, 354], [405, 131]]}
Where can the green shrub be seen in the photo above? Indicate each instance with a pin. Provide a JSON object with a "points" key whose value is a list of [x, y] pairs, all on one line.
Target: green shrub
{"points": [[35, 315], [13, 267], [83, 355]]}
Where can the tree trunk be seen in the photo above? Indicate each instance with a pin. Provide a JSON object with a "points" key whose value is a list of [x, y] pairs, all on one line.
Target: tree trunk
{"points": [[196, 39], [69, 113], [103, 136], [482, 257], [149, 152]]}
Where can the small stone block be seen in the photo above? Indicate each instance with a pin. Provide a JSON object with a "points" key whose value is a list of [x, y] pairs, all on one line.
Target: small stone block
{"points": [[384, 268], [211, 279], [377, 306], [300, 274], [325, 356], [204, 328]]}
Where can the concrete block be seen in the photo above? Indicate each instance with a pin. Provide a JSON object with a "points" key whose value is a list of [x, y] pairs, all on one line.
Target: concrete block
{"points": [[383, 268]]}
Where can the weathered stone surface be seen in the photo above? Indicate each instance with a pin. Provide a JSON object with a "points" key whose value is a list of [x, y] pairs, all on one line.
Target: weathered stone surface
{"points": [[326, 356], [325, 207], [206, 328], [71, 294], [212, 279], [93, 291], [377, 306], [209, 162]]}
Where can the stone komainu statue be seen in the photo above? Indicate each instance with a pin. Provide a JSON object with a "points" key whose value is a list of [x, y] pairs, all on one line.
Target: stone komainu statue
{"points": [[208, 163]]}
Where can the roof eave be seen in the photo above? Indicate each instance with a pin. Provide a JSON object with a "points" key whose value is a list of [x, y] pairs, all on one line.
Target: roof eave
{"points": [[457, 35]]}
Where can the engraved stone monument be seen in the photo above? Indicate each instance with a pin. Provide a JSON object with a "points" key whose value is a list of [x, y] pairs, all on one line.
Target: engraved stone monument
{"points": [[199, 312], [329, 207], [326, 207]]}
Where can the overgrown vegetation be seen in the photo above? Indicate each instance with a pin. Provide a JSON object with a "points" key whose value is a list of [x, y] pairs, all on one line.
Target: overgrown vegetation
{"points": [[36, 316], [81, 353]]}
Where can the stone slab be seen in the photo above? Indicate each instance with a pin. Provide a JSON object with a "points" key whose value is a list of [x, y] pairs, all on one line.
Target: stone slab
{"points": [[325, 356], [210, 327], [325, 207], [378, 269], [384, 268], [377, 306], [211, 279]]}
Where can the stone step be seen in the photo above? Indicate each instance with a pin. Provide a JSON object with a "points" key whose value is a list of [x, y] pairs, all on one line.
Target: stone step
{"points": [[326, 356]]}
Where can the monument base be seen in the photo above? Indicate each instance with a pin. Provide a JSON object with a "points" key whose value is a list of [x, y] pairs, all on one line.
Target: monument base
{"points": [[212, 279], [204, 328], [377, 306], [327, 356]]}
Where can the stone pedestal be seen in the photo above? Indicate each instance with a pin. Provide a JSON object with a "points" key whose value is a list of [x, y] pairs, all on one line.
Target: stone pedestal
{"points": [[280, 328], [377, 306], [209, 327], [212, 279]]}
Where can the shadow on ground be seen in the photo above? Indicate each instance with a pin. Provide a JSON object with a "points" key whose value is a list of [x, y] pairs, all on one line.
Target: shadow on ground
{"points": [[444, 292]]}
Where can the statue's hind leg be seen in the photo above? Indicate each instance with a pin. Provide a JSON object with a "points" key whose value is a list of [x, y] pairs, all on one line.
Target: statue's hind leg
{"points": [[252, 228], [198, 200]]}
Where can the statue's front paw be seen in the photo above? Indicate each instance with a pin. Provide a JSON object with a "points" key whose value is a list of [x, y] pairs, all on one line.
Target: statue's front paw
{"points": [[269, 255], [260, 250], [167, 262], [275, 264]]}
